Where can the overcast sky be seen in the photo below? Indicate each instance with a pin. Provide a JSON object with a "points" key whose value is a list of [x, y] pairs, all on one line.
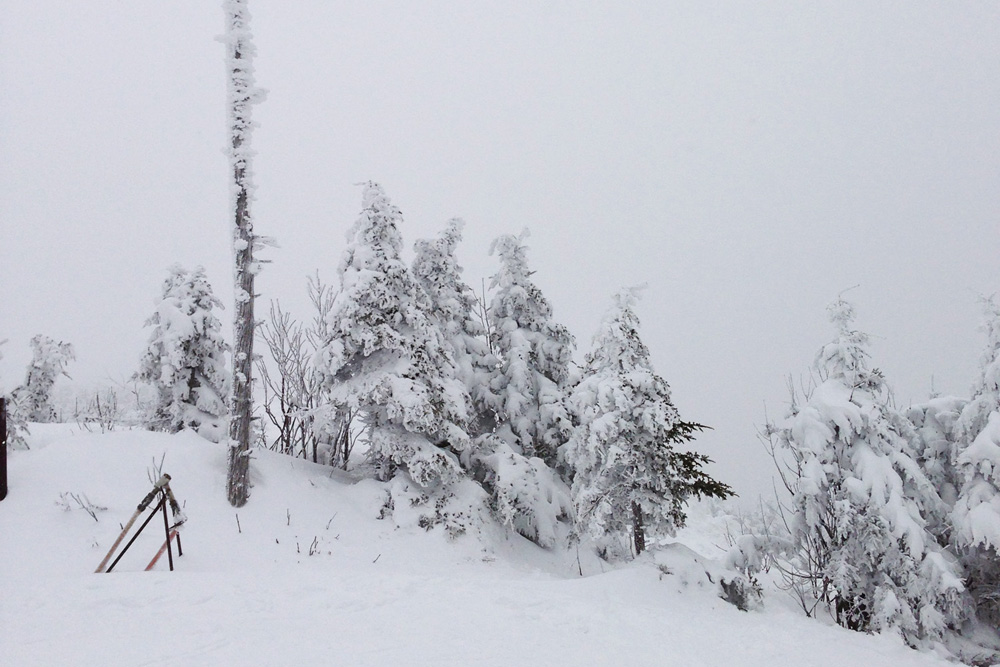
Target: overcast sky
{"points": [[748, 160]]}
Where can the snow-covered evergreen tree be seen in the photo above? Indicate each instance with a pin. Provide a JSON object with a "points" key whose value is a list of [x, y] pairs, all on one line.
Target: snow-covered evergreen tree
{"points": [[976, 514], [33, 399], [454, 309], [630, 477], [535, 358], [185, 359], [386, 362], [859, 499]]}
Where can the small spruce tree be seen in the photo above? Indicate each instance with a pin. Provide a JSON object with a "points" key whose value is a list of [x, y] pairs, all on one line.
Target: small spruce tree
{"points": [[185, 359], [859, 500], [630, 475]]}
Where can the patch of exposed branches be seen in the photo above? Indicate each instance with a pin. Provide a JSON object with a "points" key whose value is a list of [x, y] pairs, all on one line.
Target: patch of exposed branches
{"points": [[294, 392], [68, 499]]}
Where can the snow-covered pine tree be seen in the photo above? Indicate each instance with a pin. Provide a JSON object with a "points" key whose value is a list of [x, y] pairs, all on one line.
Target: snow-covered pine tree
{"points": [[453, 308], [386, 362], [33, 399], [535, 358], [242, 94], [857, 495], [185, 359], [630, 477], [976, 514]]}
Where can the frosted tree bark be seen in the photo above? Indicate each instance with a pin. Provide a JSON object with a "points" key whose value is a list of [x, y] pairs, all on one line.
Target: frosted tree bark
{"points": [[242, 94]]}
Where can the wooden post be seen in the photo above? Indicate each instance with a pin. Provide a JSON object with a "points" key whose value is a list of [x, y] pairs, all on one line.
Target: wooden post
{"points": [[3, 448], [638, 532]]}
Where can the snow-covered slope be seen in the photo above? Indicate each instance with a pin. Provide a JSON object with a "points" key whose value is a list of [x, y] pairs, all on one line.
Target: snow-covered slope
{"points": [[309, 575]]}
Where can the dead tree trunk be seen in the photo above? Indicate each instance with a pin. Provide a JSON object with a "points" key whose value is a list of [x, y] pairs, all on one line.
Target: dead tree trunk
{"points": [[242, 95]]}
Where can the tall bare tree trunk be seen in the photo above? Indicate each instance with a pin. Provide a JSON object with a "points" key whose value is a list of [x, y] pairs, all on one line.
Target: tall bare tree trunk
{"points": [[242, 94]]}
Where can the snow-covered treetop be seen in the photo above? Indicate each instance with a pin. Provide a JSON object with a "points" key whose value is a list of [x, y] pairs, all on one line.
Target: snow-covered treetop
{"points": [[845, 357], [437, 270], [49, 357], [989, 380], [378, 226], [435, 261], [189, 291], [379, 305], [617, 343], [986, 389], [525, 304], [519, 304]]}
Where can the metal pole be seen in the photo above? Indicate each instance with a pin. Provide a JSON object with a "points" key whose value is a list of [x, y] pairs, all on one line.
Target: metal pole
{"points": [[166, 532], [3, 448], [136, 536]]}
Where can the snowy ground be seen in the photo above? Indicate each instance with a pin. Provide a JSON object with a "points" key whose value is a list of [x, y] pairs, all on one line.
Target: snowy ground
{"points": [[370, 594]]}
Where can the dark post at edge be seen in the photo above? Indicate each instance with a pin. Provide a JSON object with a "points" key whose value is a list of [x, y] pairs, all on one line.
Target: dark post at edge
{"points": [[3, 448]]}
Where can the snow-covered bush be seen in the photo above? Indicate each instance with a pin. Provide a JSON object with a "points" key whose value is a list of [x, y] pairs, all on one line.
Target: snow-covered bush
{"points": [[535, 356], [628, 474], [525, 494], [458, 511], [862, 544], [33, 399], [185, 359], [757, 540], [384, 360]]}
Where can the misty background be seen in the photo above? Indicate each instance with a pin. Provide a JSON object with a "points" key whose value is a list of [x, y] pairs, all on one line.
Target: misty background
{"points": [[749, 161]]}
